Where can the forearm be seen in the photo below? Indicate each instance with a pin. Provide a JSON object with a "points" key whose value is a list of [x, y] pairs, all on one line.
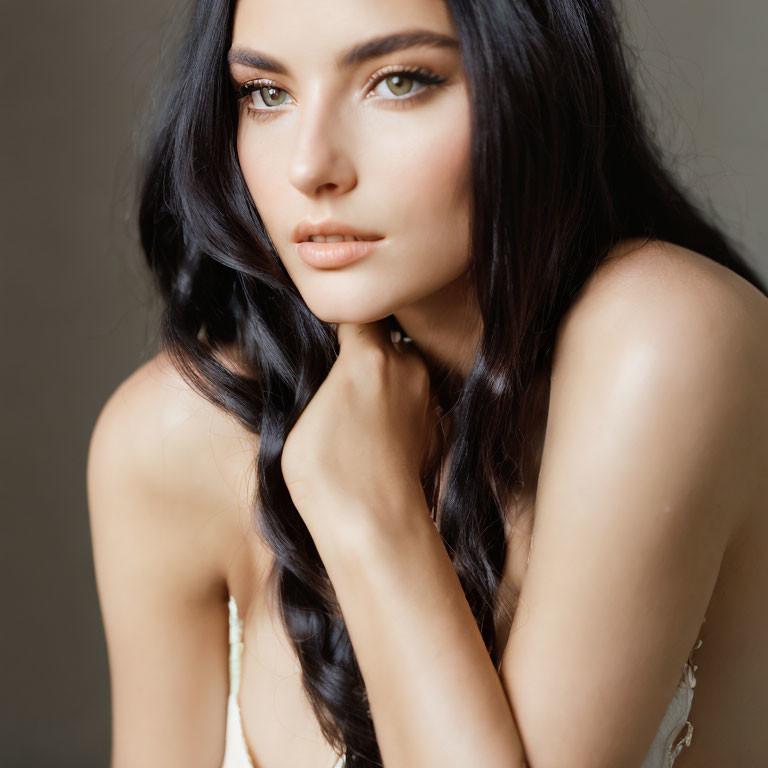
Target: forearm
{"points": [[434, 694]]}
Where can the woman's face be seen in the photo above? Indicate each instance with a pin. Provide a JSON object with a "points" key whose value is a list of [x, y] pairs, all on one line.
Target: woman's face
{"points": [[386, 154]]}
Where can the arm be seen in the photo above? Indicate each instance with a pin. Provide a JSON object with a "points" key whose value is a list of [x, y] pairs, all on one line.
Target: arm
{"points": [[154, 492], [638, 499], [434, 694], [650, 464]]}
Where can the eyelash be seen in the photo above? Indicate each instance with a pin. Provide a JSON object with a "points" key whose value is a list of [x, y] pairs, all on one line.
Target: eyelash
{"points": [[419, 74]]}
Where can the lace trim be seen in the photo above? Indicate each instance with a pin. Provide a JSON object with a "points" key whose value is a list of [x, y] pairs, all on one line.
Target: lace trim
{"points": [[689, 681]]}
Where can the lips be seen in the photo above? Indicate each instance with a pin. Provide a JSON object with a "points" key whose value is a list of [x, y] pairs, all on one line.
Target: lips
{"points": [[336, 239], [335, 255], [329, 228]]}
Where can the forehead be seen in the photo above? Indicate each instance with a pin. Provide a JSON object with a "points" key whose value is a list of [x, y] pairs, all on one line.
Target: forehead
{"points": [[313, 32]]}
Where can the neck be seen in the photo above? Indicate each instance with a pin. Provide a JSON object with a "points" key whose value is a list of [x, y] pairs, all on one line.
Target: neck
{"points": [[446, 328]]}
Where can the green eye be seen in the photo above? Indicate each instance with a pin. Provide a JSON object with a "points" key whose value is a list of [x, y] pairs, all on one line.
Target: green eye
{"points": [[268, 95], [398, 84], [405, 83]]}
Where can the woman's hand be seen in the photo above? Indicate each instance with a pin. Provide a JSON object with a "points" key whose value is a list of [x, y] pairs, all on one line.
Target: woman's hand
{"points": [[359, 447]]}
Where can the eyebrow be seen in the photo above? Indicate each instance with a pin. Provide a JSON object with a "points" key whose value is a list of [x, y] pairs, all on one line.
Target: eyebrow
{"points": [[370, 49]]}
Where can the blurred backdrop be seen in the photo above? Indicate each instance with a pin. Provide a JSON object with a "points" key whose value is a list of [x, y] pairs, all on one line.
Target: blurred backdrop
{"points": [[78, 313]]}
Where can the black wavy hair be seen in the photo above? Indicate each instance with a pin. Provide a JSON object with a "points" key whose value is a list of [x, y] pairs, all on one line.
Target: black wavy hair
{"points": [[564, 166]]}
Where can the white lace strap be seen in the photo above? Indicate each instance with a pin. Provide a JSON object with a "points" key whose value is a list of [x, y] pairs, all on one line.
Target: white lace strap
{"points": [[235, 647]]}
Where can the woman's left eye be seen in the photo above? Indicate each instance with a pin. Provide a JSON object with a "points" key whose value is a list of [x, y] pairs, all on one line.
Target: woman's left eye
{"points": [[398, 83], [401, 82]]}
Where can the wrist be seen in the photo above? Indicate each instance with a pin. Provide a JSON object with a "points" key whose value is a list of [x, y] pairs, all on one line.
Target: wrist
{"points": [[354, 529]]}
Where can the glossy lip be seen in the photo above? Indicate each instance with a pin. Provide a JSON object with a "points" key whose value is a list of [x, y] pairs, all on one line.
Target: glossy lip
{"points": [[333, 255], [305, 228]]}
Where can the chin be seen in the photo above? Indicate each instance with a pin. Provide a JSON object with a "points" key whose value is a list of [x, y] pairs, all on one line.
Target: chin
{"points": [[345, 307], [359, 318]]}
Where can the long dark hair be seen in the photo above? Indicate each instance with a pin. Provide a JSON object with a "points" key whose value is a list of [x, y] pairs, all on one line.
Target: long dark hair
{"points": [[564, 167]]}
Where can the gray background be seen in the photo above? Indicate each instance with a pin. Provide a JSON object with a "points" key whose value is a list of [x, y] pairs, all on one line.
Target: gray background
{"points": [[78, 314]]}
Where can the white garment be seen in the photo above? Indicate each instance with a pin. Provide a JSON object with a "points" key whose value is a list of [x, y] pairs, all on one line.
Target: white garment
{"points": [[236, 753], [665, 748], [668, 743]]}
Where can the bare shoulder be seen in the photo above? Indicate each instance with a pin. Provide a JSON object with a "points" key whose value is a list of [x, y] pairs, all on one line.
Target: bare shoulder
{"points": [[686, 308], [168, 481], [167, 442], [653, 461], [661, 283], [676, 323]]}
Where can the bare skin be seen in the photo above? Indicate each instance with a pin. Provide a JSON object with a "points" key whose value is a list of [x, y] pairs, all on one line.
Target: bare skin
{"points": [[172, 537], [649, 477]]}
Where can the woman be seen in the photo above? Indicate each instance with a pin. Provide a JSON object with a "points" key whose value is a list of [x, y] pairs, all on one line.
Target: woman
{"points": [[584, 366]]}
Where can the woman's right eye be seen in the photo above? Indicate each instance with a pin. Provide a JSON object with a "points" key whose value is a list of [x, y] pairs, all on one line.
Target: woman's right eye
{"points": [[262, 96]]}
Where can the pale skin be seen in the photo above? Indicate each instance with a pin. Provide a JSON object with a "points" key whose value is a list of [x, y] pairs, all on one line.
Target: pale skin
{"points": [[648, 514]]}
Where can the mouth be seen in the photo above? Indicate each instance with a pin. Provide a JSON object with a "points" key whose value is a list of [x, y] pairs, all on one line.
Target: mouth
{"points": [[333, 252], [338, 239], [331, 231]]}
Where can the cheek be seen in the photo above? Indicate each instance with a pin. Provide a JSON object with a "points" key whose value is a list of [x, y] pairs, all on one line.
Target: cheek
{"points": [[426, 185], [265, 173], [428, 172]]}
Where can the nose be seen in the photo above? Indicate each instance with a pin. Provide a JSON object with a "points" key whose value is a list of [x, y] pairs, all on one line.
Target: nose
{"points": [[321, 161]]}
